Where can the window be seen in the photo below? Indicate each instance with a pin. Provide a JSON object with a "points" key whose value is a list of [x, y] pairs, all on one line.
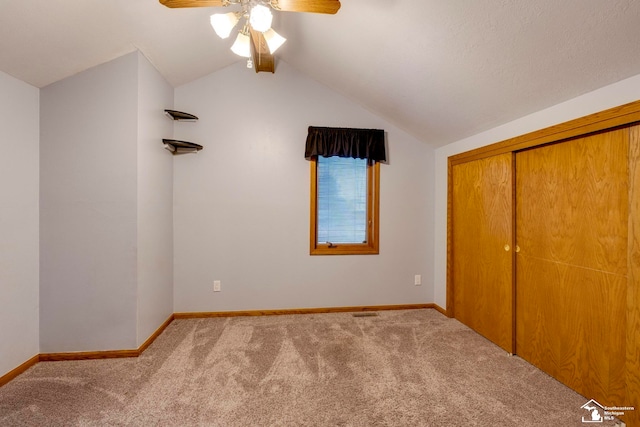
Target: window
{"points": [[345, 189], [344, 206]]}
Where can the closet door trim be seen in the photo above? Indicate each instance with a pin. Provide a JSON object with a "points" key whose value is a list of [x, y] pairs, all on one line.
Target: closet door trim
{"points": [[618, 116]]}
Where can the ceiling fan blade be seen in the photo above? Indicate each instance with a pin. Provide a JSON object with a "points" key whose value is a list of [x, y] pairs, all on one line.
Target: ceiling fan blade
{"points": [[193, 3], [263, 60], [312, 6]]}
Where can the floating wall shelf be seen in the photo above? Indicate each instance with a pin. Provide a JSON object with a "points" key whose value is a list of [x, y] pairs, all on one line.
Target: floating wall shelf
{"points": [[180, 147], [180, 116], [174, 145]]}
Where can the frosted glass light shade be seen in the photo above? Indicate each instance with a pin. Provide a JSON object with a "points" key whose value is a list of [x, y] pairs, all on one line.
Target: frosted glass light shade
{"points": [[274, 40], [223, 23], [260, 18], [241, 46]]}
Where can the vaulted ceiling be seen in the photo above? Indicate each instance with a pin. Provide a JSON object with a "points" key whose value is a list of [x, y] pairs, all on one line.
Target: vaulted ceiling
{"points": [[441, 70]]}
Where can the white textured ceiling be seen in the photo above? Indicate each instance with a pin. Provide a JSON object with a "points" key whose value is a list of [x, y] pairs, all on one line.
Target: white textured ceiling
{"points": [[441, 70]]}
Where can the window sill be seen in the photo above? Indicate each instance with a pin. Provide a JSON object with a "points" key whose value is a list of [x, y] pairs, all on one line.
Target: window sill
{"points": [[344, 250]]}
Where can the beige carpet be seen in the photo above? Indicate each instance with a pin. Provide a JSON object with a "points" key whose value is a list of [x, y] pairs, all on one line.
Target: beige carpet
{"points": [[402, 368]]}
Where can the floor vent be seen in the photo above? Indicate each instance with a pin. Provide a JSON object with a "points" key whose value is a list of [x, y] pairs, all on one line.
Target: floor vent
{"points": [[365, 314]]}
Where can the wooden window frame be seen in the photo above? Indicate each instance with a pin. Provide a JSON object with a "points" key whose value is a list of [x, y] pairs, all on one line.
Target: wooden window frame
{"points": [[372, 246]]}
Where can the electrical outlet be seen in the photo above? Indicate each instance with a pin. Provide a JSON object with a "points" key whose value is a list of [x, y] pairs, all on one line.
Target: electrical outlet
{"points": [[216, 286], [417, 280]]}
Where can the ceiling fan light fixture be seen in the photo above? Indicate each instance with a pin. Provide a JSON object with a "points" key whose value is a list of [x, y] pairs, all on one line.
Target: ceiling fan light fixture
{"points": [[241, 46], [274, 40], [223, 23], [260, 18]]}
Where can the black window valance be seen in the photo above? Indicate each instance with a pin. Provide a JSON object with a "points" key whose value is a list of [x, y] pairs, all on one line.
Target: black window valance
{"points": [[346, 142]]}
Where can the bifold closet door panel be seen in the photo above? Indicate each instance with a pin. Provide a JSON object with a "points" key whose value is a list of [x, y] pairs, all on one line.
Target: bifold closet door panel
{"points": [[482, 216], [571, 282]]}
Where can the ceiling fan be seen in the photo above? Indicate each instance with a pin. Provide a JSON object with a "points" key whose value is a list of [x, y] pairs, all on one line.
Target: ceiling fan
{"points": [[256, 40]]}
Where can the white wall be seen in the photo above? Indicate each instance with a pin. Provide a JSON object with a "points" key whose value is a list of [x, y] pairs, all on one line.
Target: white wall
{"points": [[155, 201], [88, 218], [91, 145], [610, 96], [19, 229], [241, 206]]}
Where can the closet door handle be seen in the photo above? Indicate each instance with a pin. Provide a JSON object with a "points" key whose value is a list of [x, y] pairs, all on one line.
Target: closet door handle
{"points": [[507, 247], [517, 249]]}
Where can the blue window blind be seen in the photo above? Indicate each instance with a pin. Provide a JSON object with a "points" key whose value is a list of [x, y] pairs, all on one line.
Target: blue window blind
{"points": [[342, 200]]}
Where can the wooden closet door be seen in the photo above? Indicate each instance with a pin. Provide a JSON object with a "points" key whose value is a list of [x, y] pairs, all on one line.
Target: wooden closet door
{"points": [[482, 215], [571, 268], [633, 285]]}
